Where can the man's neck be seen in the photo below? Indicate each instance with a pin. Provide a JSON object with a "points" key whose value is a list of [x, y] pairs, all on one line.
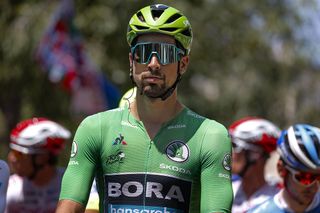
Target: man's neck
{"points": [[45, 175], [252, 183], [294, 203], [154, 113]]}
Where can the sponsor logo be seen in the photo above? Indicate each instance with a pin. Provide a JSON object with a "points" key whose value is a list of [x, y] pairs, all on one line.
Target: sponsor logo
{"points": [[224, 176], [195, 115], [153, 189], [178, 126], [175, 168], [119, 140], [73, 163], [177, 151], [186, 23], [118, 157], [140, 209], [74, 149], [226, 163], [147, 192]]}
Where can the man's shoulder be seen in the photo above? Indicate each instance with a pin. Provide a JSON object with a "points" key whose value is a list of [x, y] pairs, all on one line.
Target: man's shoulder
{"points": [[208, 122], [266, 207], [105, 116], [110, 112], [4, 170]]}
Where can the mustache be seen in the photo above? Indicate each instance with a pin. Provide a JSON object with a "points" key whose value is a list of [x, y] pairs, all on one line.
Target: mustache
{"points": [[152, 75]]}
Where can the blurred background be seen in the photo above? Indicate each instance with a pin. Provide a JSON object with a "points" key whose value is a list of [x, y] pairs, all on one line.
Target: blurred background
{"points": [[67, 59]]}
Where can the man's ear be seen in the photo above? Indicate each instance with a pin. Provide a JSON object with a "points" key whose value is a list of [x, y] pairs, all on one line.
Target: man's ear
{"points": [[184, 62], [130, 60], [281, 168]]}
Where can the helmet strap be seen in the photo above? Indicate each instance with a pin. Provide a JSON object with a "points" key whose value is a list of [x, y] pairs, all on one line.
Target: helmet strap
{"points": [[36, 167], [290, 193], [249, 162], [170, 90]]}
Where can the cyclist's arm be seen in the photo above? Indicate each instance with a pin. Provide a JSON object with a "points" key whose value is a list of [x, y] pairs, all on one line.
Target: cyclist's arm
{"points": [[69, 206], [4, 177], [216, 187], [78, 177]]}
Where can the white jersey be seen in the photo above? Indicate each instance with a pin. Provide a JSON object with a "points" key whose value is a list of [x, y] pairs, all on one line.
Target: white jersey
{"points": [[25, 197], [242, 203], [4, 177]]}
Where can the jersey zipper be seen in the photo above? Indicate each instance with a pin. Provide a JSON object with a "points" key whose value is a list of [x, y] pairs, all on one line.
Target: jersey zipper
{"points": [[146, 171]]}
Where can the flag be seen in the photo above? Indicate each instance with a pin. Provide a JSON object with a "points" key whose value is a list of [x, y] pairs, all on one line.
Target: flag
{"points": [[63, 58]]}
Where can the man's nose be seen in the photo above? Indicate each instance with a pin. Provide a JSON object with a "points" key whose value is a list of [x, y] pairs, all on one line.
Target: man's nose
{"points": [[154, 63]]}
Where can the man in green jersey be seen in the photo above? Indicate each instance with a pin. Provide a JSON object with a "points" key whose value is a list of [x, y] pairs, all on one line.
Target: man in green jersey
{"points": [[154, 154]]}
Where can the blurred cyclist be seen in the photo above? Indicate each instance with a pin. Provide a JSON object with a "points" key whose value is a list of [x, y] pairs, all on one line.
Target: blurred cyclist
{"points": [[4, 177], [35, 184], [299, 166], [253, 140]]}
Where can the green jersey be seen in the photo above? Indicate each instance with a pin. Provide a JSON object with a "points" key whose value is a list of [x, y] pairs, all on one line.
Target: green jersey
{"points": [[186, 167]]}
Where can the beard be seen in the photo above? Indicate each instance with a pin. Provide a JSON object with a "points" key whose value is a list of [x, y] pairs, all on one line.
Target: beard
{"points": [[153, 91]]}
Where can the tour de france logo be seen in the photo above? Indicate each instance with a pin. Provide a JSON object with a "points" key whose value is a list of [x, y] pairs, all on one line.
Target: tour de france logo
{"points": [[177, 151], [74, 149]]}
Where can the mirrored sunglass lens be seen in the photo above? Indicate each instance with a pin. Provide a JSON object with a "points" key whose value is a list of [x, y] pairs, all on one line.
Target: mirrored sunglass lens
{"points": [[307, 178], [166, 53]]}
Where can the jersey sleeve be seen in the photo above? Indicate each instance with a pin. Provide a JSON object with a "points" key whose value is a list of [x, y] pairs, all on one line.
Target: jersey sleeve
{"points": [[84, 158], [216, 186], [4, 177]]}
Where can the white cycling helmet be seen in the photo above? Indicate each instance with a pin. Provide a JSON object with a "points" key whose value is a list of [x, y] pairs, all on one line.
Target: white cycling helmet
{"points": [[299, 147], [254, 133], [38, 135]]}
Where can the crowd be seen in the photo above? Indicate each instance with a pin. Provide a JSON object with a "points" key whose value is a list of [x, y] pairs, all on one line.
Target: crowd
{"points": [[153, 154]]}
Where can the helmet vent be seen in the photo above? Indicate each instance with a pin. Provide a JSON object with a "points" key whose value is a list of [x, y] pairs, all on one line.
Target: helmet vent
{"points": [[305, 151], [141, 27], [156, 14], [168, 29], [186, 32], [173, 18], [317, 144], [140, 16]]}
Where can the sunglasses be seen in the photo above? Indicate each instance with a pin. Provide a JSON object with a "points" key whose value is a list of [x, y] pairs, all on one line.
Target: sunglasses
{"points": [[303, 178], [166, 53]]}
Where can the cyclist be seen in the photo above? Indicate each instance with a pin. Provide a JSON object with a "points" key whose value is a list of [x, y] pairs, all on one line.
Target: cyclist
{"points": [[4, 177], [35, 183], [299, 166], [155, 155], [253, 140]]}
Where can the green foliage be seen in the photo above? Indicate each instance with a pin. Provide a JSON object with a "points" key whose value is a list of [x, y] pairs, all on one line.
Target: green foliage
{"points": [[243, 60]]}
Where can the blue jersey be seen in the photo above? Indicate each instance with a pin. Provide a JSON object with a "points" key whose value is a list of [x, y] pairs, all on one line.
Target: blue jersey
{"points": [[271, 205]]}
